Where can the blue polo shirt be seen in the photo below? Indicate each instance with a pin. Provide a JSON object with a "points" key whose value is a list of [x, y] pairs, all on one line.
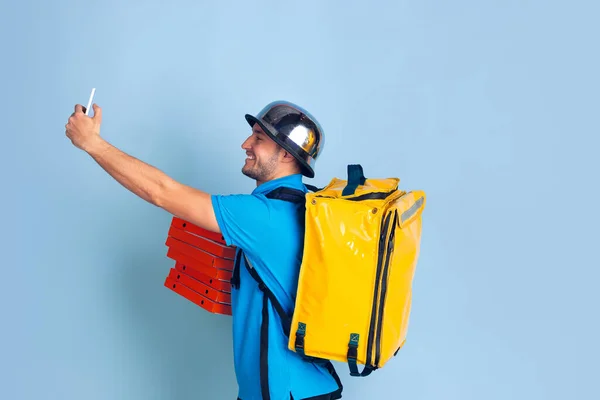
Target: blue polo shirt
{"points": [[271, 234]]}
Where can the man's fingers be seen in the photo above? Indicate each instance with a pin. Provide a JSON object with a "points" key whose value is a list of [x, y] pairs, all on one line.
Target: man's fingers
{"points": [[97, 113], [78, 108]]}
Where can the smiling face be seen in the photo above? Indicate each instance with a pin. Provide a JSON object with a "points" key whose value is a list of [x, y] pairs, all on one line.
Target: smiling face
{"points": [[266, 160]]}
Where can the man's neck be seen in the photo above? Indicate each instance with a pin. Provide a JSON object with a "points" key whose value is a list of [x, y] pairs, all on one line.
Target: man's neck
{"points": [[276, 176]]}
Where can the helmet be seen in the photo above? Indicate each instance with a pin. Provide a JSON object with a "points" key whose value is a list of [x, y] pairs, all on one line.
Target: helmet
{"points": [[294, 129]]}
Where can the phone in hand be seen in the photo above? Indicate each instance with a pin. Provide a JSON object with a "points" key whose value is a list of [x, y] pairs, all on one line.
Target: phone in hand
{"points": [[86, 110]]}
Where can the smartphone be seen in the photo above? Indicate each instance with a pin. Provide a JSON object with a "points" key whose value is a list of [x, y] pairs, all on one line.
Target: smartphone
{"points": [[89, 104]]}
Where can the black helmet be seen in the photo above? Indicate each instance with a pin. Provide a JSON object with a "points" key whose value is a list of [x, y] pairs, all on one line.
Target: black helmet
{"points": [[294, 129]]}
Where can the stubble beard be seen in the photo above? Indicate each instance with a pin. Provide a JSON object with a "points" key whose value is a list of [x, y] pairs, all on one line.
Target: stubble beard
{"points": [[261, 171]]}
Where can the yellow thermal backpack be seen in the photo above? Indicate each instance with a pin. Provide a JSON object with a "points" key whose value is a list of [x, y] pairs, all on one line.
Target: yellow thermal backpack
{"points": [[361, 245]]}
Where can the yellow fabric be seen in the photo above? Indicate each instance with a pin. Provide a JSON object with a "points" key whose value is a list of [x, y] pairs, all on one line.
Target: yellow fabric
{"points": [[339, 273]]}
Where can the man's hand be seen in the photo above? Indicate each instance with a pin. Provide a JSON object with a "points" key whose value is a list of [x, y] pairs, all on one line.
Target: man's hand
{"points": [[82, 129]]}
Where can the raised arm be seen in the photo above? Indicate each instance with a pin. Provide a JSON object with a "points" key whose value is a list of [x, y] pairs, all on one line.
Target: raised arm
{"points": [[142, 179]]}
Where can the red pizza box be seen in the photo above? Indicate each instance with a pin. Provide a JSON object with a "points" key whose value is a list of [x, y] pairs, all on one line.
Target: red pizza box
{"points": [[199, 255], [192, 266], [220, 285], [197, 298], [189, 227], [205, 290], [207, 245], [203, 266]]}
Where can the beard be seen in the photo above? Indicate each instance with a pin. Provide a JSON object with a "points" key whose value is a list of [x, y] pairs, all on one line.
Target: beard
{"points": [[261, 170]]}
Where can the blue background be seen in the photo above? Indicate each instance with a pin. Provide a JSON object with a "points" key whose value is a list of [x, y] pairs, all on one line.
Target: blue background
{"points": [[490, 107]]}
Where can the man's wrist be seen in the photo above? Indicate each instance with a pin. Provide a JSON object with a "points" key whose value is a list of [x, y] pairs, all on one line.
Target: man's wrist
{"points": [[94, 145]]}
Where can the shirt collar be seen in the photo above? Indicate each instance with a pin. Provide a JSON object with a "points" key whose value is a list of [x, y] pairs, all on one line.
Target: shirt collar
{"points": [[294, 181]]}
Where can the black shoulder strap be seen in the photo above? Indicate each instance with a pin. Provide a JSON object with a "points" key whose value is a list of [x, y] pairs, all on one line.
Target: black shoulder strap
{"points": [[312, 188], [235, 276], [294, 196], [287, 194], [286, 320], [286, 323], [281, 193]]}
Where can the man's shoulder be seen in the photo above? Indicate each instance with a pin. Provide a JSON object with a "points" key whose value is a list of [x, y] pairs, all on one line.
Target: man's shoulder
{"points": [[290, 189], [247, 219], [254, 201]]}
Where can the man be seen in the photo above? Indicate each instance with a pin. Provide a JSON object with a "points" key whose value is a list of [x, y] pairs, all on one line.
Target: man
{"points": [[283, 146]]}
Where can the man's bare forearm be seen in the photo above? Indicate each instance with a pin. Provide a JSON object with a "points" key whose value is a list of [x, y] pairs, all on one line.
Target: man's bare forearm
{"points": [[142, 179]]}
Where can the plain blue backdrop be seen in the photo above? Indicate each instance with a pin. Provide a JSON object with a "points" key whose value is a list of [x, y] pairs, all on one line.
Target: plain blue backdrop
{"points": [[490, 107]]}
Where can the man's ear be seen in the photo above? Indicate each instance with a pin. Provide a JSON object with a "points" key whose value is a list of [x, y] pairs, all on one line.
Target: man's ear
{"points": [[287, 157]]}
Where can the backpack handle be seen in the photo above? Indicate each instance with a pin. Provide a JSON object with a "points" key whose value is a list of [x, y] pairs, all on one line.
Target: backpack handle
{"points": [[356, 177]]}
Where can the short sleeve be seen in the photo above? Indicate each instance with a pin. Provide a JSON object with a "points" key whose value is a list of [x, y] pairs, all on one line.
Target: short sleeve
{"points": [[242, 218]]}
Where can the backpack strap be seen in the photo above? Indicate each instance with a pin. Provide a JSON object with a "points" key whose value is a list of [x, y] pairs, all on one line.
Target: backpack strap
{"points": [[287, 194], [286, 320], [281, 193], [312, 188], [264, 326], [352, 355], [298, 197], [235, 276]]}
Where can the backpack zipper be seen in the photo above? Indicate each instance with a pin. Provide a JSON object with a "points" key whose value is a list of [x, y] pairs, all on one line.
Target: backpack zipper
{"points": [[361, 197], [385, 274], [374, 325]]}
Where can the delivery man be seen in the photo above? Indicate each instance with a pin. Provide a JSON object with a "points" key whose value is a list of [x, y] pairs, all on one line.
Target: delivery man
{"points": [[283, 145]]}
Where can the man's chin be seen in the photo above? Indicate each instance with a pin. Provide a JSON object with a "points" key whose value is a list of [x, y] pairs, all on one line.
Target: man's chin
{"points": [[248, 172]]}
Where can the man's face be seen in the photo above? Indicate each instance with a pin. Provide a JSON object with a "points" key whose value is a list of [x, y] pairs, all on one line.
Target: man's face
{"points": [[262, 155]]}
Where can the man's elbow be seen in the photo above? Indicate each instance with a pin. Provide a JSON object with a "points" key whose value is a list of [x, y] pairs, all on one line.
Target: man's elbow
{"points": [[187, 203], [161, 194]]}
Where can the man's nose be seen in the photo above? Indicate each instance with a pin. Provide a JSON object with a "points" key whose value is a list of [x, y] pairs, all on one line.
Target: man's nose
{"points": [[246, 144]]}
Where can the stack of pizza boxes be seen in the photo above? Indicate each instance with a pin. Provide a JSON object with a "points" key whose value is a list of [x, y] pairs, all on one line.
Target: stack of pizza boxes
{"points": [[203, 266]]}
